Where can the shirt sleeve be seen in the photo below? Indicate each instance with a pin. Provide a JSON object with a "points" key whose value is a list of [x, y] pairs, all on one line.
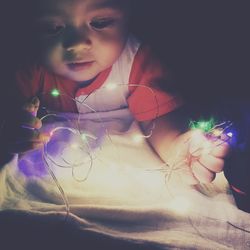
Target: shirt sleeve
{"points": [[148, 78]]}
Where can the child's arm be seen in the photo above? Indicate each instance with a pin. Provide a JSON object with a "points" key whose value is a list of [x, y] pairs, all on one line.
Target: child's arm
{"points": [[196, 159]]}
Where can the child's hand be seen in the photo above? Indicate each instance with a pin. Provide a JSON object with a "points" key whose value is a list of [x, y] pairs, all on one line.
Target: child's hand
{"points": [[21, 130], [197, 159]]}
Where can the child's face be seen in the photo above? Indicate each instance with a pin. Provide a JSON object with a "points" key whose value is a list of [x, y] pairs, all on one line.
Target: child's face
{"points": [[81, 38]]}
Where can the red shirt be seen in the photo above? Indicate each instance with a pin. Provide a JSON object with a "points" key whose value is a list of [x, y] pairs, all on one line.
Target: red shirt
{"points": [[145, 103]]}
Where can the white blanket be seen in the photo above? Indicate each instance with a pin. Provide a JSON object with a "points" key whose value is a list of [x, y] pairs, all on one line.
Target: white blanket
{"points": [[126, 202]]}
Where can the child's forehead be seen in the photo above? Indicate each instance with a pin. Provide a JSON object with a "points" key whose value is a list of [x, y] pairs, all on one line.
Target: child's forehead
{"points": [[57, 6]]}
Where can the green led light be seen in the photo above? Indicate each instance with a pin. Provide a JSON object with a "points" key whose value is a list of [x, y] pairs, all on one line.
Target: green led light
{"points": [[55, 92], [205, 126]]}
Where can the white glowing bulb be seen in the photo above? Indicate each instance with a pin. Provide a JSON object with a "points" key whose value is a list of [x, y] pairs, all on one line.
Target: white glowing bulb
{"points": [[111, 86], [84, 137], [137, 138], [230, 134], [180, 205], [217, 132]]}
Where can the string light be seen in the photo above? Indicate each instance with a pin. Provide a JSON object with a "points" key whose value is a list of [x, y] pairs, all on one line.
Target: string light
{"points": [[111, 86], [217, 132], [203, 125], [179, 204], [85, 137], [137, 138], [55, 92]]}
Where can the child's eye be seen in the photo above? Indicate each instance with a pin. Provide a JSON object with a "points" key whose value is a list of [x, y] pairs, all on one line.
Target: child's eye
{"points": [[102, 23]]}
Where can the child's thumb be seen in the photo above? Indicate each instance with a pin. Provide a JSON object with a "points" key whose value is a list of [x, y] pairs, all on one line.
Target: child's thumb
{"points": [[198, 142], [32, 106]]}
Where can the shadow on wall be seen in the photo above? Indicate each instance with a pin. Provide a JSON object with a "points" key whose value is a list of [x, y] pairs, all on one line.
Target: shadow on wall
{"points": [[205, 43]]}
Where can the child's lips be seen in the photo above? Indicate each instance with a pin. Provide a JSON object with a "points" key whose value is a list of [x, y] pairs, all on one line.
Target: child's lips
{"points": [[79, 66]]}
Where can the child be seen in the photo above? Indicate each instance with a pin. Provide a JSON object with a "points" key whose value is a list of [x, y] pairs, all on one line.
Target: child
{"points": [[84, 46]]}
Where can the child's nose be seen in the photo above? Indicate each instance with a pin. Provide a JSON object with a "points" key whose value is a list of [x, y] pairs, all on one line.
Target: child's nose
{"points": [[77, 40]]}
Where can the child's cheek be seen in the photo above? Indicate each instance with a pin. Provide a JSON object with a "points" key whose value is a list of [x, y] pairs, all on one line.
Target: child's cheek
{"points": [[111, 42], [50, 51], [118, 34]]}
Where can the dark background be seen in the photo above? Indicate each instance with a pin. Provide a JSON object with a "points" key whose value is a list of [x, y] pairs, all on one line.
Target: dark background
{"points": [[204, 43]]}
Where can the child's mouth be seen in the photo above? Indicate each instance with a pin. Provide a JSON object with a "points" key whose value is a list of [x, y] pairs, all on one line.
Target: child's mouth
{"points": [[78, 66]]}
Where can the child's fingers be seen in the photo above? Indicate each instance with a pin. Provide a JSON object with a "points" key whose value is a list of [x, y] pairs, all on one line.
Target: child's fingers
{"points": [[32, 135], [220, 148], [21, 147], [30, 140], [214, 164], [187, 176], [32, 106], [203, 174], [33, 123], [198, 142], [200, 145], [43, 137], [29, 121]]}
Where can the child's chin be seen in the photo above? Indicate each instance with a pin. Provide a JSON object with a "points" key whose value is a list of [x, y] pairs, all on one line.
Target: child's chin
{"points": [[80, 77]]}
